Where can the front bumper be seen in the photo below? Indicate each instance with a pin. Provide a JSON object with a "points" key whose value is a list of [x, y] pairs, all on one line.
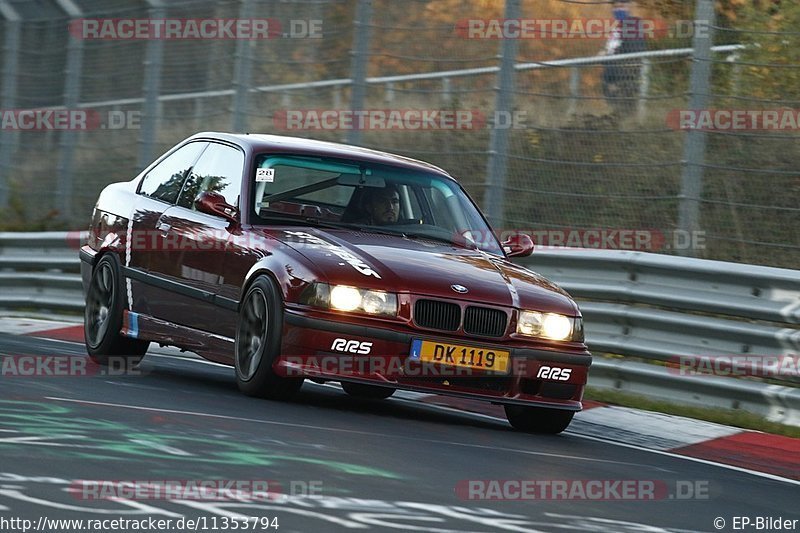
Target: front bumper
{"points": [[381, 356]]}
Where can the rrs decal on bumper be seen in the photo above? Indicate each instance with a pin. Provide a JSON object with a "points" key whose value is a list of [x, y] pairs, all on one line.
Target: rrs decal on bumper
{"points": [[554, 373], [351, 346]]}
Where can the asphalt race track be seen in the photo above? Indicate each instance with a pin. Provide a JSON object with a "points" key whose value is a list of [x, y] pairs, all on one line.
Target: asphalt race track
{"points": [[333, 463]]}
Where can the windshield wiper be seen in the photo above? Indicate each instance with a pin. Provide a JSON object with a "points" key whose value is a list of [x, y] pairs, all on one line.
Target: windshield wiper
{"points": [[379, 230], [309, 221], [467, 244]]}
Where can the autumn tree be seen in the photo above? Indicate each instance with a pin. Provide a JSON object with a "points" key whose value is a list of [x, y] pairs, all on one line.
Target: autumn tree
{"points": [[771, 58]]}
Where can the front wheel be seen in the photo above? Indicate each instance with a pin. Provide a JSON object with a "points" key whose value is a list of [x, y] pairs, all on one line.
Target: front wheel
{"points": [[102, 323], [258, 343], [372, 392], [538, 419]]}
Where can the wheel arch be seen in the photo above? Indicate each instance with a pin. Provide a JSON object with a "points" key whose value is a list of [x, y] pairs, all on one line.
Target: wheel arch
{"points": [[276, 267], [262, 268]]}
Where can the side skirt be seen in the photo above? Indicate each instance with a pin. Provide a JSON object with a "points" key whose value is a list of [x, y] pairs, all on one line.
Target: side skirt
{"points": [[207, 345]]}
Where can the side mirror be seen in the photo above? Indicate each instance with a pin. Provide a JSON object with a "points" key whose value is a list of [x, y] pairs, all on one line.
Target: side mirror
{"points": [[518, 245], [212, 203]]}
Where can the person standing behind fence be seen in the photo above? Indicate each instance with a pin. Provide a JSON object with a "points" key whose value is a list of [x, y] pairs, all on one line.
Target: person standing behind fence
{"points": [[621, 78]]}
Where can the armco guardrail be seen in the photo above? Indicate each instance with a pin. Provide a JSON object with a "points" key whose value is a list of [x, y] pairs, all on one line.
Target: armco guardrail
{"points": [[662, 307], [635, 304], [665, 308], [41, 271]]}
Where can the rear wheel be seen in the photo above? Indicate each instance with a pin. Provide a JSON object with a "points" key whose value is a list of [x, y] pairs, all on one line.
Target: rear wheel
{"points": [[105, 305], [373, 392], [258, 343], [538, 419]]}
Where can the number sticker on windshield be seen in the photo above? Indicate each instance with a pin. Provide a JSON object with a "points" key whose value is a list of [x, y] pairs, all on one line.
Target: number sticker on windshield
{"points": [[265, 175]]}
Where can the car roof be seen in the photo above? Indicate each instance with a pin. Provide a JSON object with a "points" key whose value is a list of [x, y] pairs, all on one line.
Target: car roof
{"points": [[258, 142]]}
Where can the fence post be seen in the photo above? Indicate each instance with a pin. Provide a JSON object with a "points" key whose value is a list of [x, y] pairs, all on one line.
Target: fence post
{"points": [[8, 99], [736, 72], [359, 64], [72, 93], [644, 89], [694, 146], [494, 197], [154, 55], [574, 89], [389, 95], [337, 96], [242, 73]]}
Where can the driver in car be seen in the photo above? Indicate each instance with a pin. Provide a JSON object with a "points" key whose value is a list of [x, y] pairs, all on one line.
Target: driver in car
{"points": [[382, 206]]}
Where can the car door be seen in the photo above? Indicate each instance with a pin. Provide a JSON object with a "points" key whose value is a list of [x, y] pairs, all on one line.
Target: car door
{"points": [[157, 192], [194, 242]]}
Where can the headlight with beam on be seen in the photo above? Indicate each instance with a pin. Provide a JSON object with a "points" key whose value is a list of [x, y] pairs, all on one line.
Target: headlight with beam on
{"points": [[547, 325], [350, 299], [345, 298]]}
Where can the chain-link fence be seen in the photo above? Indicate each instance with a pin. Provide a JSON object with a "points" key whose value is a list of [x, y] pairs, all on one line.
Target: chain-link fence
{"points": [[563, 131]]}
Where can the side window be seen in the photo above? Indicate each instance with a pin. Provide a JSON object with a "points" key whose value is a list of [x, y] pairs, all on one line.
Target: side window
{"points": [[165, 180], [218, 170]]}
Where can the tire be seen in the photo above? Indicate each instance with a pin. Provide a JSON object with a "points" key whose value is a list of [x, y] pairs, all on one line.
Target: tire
{"points": [[538, 419], [372, 392], [102, 321], [258, 343]]}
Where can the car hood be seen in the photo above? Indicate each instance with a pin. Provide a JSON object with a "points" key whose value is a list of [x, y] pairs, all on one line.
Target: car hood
{"points": [[422, 267]]}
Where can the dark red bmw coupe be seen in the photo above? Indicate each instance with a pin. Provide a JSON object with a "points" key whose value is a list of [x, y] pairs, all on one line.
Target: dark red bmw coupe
{"points": [[294, 259]]}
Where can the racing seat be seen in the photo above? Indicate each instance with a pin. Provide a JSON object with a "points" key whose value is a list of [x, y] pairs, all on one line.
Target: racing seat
{"points": [[355, 212]]}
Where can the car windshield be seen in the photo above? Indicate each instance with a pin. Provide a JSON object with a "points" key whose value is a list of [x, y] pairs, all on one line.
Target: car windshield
{"points": [[368, 197]]}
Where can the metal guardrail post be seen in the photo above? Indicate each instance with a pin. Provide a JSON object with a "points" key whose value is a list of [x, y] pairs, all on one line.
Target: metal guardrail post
{"points": [[360, 63], [694, 147], [152, 87], [9, 139], [494, 197]]}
